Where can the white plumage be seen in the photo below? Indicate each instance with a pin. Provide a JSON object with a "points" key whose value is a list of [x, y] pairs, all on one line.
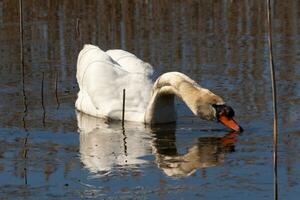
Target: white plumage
{"points": [[102, 76]]}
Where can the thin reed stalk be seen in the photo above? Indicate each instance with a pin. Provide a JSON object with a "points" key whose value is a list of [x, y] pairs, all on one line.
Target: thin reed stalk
{"points": [[78, 27], [124, 142], [25, 176], [21, 37], [56, 89], [21, 30], [123, 128], [24, 156], [42, 97], [274, 97], [123, 107]]}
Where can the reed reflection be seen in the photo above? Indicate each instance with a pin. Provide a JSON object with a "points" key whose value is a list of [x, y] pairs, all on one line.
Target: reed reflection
{"points": [[104, 147]]}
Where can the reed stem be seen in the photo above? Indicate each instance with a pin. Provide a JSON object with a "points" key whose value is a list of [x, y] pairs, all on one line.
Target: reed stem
{"points": [[21, 36], [78, 27], [21, 30], [42, 97], [22, 63], [274, 97], [56, 89], [123, 107], [123, 128], [24, 156]]}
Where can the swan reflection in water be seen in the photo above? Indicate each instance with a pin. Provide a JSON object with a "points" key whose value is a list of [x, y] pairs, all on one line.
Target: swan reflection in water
{"points": [[207, 152], [105, 147]]}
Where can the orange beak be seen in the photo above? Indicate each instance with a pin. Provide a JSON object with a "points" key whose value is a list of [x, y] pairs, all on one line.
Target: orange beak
{"points": [[230, 123]]}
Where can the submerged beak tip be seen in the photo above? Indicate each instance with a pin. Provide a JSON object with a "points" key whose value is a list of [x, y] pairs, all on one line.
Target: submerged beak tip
{"points": [[240, 129]]}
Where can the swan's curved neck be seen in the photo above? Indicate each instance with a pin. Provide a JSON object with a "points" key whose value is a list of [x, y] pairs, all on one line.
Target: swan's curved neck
{"points": [[161, 108]]}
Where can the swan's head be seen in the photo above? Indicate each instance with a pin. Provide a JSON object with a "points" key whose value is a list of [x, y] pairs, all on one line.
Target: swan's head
{"points": [[212, 107], [224, 114], [219, 112]]}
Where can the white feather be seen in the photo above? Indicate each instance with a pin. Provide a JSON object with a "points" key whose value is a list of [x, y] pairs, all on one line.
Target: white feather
{"points": [[102, 76]]}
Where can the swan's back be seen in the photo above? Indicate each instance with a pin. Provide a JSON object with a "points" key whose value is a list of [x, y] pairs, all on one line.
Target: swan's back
{"points": [[102, 76], [130, 62]]}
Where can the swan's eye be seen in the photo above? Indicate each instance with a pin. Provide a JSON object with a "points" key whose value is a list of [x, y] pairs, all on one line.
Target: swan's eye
{"points": [[223, 110], [229, 112]]}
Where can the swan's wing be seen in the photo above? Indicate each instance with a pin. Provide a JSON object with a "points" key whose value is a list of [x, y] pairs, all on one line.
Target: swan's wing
{"points": [[101, 81], [89, 56], [130, 62], [98, 79]]}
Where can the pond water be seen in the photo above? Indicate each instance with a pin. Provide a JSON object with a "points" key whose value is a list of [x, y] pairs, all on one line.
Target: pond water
{"points": [[49, 151]]}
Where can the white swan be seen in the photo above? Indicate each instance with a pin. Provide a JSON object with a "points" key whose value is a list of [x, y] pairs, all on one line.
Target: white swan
{"points": [[102, 76]]}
